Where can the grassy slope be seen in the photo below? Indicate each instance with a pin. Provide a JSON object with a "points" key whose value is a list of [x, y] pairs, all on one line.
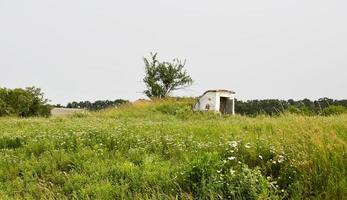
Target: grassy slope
{"points": [[164, 151]]}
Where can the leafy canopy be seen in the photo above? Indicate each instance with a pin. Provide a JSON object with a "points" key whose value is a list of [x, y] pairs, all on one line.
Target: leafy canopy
{"points": [[164, 77], [23, 102]]}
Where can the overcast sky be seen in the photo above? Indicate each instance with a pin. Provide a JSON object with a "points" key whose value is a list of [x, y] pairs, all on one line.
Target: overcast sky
{"points": [[88, 50]]}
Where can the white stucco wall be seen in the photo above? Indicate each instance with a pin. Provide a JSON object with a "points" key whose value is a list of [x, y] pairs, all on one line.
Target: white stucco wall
{"points": [[208, 99], [213, 100]]}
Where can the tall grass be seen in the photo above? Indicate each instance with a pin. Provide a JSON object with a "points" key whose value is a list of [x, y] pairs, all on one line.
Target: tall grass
{"points": [[162, 150]]}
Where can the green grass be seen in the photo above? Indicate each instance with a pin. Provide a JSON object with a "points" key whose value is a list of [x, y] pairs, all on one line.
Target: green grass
{"points": [[163, 150]]}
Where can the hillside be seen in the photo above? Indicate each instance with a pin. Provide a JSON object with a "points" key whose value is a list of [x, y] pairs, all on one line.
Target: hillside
{"points": [[163, 150]]}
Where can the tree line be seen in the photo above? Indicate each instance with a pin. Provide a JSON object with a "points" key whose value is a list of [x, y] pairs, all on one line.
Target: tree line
{"points": [[272, 107], [26, 102], [30, 102], [97, 105]]}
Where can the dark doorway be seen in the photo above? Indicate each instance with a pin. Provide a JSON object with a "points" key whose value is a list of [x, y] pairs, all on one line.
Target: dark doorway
{"points": [[223, 105]]}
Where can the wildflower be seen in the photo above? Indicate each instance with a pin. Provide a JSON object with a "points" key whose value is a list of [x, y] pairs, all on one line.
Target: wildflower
{"points": [[232, 172], [281, 159], [261, 157], [233, 144], [231, 158], [248, 145]]}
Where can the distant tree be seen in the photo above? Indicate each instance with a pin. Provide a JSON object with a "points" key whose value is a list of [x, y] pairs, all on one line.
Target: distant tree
{"points": [[323, 106], [161, 78], [23, 102], [97, 105]]}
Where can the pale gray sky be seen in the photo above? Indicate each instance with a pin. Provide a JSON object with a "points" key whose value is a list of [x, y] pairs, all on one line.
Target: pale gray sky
{"points": [[88, 50]]}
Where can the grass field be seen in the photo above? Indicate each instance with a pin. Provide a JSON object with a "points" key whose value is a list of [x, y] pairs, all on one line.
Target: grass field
{"points": [[163, 150]]}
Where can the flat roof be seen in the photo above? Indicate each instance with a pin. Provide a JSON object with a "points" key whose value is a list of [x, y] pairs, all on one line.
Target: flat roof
{"points": [[227, 91]]}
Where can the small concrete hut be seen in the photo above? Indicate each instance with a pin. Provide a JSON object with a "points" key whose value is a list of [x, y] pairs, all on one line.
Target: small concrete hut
{"points": [[222, 101]]}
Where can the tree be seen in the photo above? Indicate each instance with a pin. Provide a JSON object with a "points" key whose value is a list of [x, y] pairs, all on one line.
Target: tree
{"points": [[164, 77], [97, 105], [23, 102]]}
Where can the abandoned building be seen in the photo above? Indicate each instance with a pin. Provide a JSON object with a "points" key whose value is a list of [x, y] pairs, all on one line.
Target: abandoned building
{"points": [[222, 101]]}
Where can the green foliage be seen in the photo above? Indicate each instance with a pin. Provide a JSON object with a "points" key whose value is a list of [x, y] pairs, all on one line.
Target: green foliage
{"points": [[23, 102], [164, 77], [245, 183], [162, 150], [10, 143], [97, 105], [275, 107], [334, 110]]}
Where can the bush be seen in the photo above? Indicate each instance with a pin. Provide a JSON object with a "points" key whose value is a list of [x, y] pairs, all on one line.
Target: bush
{"points": [[23, 102]]}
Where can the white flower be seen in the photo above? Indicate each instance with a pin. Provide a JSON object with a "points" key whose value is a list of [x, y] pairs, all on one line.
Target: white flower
{"points": [[248, 145], [281, 159], [261, 157], [232, 172], [233, 144], [231, 158]]}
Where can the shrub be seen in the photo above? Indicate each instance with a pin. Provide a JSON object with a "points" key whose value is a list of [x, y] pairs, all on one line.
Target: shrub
{"points": [[23, 102]]}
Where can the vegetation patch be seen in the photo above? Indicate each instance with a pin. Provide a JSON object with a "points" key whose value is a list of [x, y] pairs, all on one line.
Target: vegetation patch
{"points": [[163, 150], [10, 143]]}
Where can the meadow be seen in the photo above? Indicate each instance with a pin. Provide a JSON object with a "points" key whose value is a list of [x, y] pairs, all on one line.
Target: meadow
{"points": [[162, 150]]}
